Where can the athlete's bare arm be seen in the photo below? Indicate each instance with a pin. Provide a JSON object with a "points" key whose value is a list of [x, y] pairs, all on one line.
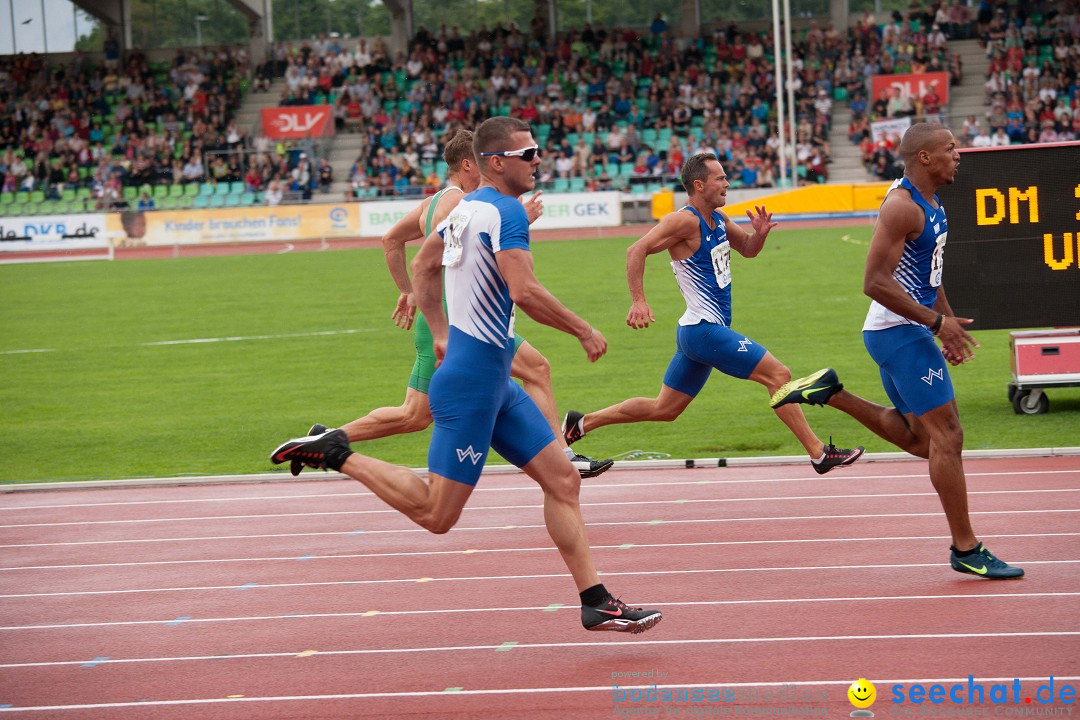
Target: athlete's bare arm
{"points": [[750, 244], [428, 290], [677, 233], [899, 221], [516, 267], [405, 230]]}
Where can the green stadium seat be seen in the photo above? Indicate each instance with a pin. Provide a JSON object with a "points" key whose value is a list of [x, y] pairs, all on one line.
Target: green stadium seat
{"points": [[232, 201], [626, 169], [7, 199], [160, 192], [22, 197], [176, 191], [247, 199], [37, 197], [236, 187], [222, 188], [561, 185], [67, 194], [577, 184], [201, 201], [217, 201], [206, 189], [191, 189]]}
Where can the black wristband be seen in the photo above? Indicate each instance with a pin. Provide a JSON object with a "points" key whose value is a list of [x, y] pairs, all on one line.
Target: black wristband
{"points": [[936, 327]]}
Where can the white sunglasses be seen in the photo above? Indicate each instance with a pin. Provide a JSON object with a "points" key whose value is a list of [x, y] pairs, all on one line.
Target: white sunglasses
{"points": [[526, 154]]}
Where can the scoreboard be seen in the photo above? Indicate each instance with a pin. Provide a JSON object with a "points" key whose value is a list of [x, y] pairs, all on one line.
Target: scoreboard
{"points": [[1012, 259]]}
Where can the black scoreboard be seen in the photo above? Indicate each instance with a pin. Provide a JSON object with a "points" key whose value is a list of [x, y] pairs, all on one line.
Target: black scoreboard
{"points": [[1012, 258]]}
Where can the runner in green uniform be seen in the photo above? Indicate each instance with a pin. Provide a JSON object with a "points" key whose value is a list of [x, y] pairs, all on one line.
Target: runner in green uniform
{"points": [[529, 365]]}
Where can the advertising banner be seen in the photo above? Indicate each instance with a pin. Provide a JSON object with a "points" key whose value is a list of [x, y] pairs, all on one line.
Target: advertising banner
{"points": [[52, 232], [297, 121], [230, 225], [584, 210], [913, 86], [897, 126]]}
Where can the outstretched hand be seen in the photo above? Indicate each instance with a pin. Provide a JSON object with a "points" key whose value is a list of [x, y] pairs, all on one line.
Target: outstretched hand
{"points": [[761, 221], [956, 344], [404, 311], [534, 206]]}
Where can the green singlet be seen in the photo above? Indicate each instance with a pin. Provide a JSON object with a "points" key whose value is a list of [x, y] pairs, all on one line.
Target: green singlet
{"points": [[424, 367]]}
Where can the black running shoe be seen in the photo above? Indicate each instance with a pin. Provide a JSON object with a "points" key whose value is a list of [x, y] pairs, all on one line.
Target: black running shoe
{"points": [[295, 466], [573, 427], [983, 564], [310, 450], [836, 457], [813, 389], [615, 615], [589, 467]]}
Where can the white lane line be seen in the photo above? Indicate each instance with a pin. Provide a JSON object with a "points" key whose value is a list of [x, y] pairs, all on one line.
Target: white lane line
{"points": [[424, 553], [679, 501], [485, 578], [505, 691], [560, 645], [239, 338], [530, 487], [455, 611], [25, 352], [484, 528]]}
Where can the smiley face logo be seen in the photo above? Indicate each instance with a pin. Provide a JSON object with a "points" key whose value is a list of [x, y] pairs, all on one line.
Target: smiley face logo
{"points": [[862, 693]]}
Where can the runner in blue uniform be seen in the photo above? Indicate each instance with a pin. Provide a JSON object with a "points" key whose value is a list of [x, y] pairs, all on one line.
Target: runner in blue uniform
{"points": [[908, 308], [483, 245], [699, 238]]}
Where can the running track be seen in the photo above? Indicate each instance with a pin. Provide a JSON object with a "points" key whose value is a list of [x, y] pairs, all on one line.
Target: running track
{"points": [[312, 600]]}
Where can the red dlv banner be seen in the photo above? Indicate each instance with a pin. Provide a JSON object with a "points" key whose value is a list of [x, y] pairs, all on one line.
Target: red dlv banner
{"points": [[913, 86], [297, 121]]}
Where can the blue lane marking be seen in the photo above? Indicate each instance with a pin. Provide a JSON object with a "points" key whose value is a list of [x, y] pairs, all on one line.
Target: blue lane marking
{"points": [[177, 621], [95, 662]]}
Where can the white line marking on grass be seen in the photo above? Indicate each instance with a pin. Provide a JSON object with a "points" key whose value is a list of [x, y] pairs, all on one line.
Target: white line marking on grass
{"points": [[237, 338], [502, 691], [24, 352], [681, 501], [520, 487], [560, 645], [412, 581], [454, 611]]}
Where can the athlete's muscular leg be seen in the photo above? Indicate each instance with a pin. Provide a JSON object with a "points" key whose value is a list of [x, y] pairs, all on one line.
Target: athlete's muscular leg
{"points": [[772, 373], [562, 512], [665, 407], [901, 429], [947, 470], [413, 415], [434, 505], [534, 371]]}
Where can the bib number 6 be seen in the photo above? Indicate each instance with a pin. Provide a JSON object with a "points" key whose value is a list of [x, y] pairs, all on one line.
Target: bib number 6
{"points": [[937, 263]]}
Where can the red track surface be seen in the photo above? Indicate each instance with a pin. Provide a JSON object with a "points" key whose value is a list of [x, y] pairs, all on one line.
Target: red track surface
{"points": [[315, 601]]}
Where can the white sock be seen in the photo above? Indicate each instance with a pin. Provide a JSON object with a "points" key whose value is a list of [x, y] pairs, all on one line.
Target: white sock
{"points": [[569, 453]]}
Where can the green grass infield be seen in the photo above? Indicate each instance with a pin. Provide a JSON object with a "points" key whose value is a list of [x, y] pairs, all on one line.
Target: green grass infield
{"points": [[200, 366]]}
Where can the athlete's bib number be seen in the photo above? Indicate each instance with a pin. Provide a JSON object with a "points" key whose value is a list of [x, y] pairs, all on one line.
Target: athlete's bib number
{"points": [[721, 261], [937, 263], [455, 226]]}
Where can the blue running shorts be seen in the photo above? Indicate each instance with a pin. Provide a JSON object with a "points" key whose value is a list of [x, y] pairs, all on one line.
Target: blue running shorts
{"points": [[705, 346], [477, 407], [913, 370]]}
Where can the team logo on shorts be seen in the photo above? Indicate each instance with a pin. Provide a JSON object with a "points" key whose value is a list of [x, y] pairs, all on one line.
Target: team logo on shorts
{"points": [[468, 453], [928, 379], [743, 343]]}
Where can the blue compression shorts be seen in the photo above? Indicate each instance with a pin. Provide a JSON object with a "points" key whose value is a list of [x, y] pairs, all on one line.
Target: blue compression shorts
{"points": [[477, 407], [913, 370], [705, 346]]}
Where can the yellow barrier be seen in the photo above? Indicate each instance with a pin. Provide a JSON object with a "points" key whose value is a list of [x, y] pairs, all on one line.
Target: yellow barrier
{"points": [[663, 203], [817, 199]]}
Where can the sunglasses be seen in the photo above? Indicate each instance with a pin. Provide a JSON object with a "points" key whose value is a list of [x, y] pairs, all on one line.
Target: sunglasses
{"points": [[526, 154]]}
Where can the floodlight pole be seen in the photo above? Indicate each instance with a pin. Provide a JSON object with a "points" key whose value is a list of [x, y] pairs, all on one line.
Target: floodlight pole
{"points": [[779, 90], [791, 92]]}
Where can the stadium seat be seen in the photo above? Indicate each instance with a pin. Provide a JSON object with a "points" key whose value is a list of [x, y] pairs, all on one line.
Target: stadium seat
{"points": [[7, 198], [236, 187], [176, 190], [247, 199], [232, 201], [191, 189], [161, 191], [577, 184], [201, 201], [206, 189], [561, 185], [217, 201], [37, 197], [222, 188]]}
